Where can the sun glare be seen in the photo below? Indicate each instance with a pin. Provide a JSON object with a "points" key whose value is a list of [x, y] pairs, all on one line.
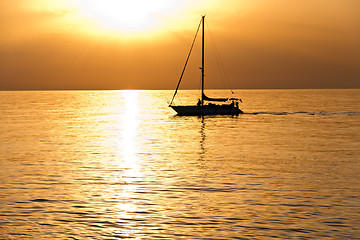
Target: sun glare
{"points": [[127, 15]]}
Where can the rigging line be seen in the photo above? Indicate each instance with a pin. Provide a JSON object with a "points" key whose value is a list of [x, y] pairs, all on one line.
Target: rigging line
{"points": [[223, 75], [187, 59]]}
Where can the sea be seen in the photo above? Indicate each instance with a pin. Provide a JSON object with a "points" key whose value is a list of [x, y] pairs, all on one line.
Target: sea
{"points": [[123, 165]]}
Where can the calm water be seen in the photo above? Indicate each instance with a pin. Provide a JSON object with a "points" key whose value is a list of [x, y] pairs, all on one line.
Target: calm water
{"points": [[120, 165]]}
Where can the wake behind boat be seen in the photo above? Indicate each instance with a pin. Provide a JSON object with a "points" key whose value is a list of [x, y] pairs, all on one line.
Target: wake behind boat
{"points": [[205, 105]]}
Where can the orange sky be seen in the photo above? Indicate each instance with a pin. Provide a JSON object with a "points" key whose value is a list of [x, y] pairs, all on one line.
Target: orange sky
{"points": [[74, 44]]}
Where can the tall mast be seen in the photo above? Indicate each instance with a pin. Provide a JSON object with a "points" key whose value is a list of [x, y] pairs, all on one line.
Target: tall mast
{"points": [[202, 60]]}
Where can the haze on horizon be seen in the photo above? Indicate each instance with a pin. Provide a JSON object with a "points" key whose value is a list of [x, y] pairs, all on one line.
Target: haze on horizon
{"points": [[82, 44]]}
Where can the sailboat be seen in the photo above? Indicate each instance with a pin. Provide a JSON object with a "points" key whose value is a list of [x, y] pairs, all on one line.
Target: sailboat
{"points": [[205, 105]]}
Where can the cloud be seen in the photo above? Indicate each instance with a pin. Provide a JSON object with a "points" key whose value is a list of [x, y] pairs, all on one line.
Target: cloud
{"points": [[20, 22]]}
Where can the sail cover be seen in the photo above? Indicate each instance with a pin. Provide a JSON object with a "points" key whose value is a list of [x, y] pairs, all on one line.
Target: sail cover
{"points": [[206, 98]]}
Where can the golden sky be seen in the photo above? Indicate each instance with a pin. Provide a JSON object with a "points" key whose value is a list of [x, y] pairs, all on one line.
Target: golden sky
{"points": [[143, 44]]}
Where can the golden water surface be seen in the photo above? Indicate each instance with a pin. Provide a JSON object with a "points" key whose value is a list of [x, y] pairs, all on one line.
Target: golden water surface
{"points": [[121, 165]]}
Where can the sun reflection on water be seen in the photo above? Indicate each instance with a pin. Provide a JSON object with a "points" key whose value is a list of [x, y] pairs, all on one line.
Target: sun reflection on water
{"points": [[129, 127], [132, 175]]}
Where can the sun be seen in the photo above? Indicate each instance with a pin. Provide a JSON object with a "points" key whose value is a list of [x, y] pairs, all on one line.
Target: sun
{"points": [[127, 15]]}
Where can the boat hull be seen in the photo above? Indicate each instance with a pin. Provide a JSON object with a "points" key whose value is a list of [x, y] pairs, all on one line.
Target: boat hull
{"points": [[206, 110]]}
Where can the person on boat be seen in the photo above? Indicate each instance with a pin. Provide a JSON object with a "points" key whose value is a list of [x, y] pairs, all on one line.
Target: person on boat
{"points": [[198, 103], [232, 104]]}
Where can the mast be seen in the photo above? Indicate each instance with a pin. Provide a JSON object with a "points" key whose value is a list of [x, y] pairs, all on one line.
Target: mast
{"points": [[202, 60]]}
